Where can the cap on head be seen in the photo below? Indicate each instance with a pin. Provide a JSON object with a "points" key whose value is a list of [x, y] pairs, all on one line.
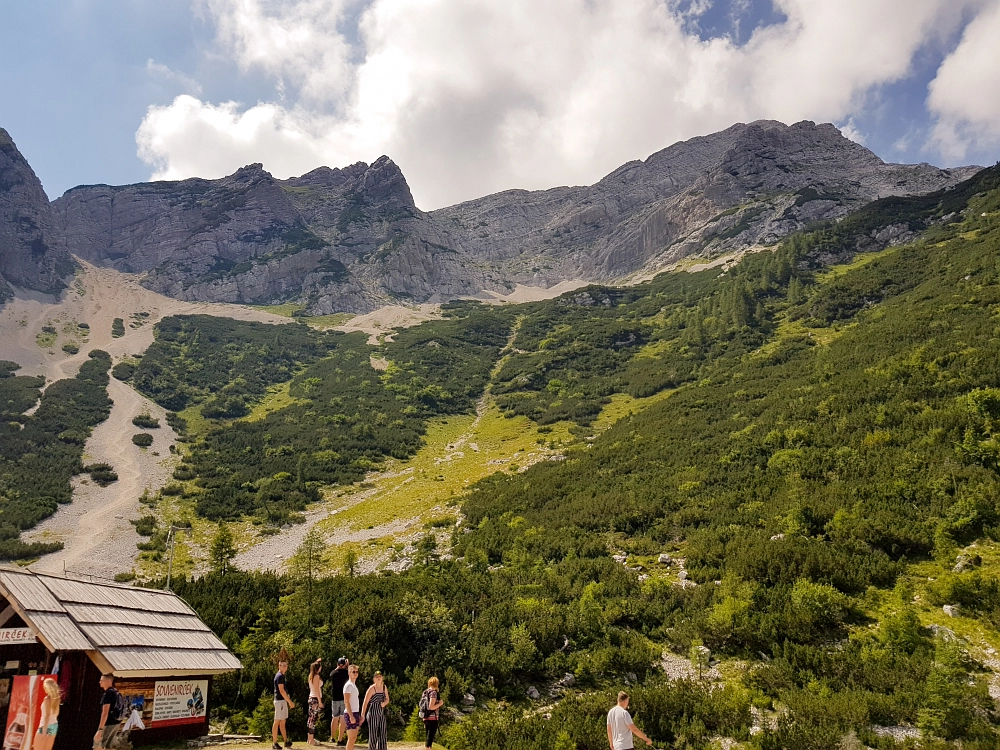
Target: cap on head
{"points": [[342, 661], [377, 673]]}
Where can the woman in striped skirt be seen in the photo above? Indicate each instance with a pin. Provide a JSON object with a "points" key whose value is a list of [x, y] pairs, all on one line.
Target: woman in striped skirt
{"points": [[373, 710]]}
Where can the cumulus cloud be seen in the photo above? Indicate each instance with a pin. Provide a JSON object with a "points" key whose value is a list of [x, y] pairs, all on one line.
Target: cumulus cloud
{"points": [[965, 94], [474, 96], [298, 40]]}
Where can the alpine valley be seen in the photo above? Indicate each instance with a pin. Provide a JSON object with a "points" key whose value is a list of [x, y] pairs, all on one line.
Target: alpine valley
{"points": [[747, 465]]}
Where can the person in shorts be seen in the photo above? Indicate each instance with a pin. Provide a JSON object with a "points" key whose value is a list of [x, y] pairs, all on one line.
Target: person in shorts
{"points": [[110, 723], [338, 678], [352, 706], [282, 703]]}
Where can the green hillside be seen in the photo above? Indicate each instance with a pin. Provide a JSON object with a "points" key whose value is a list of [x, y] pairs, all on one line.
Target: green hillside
{"points": [[811, 434], [820, 461]]}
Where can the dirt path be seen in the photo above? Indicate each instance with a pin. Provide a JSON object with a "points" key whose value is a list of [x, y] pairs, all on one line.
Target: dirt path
{"points": [[95, 527], [98, 518]]}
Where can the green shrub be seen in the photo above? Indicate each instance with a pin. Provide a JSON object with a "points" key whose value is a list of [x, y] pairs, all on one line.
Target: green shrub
{"points": [[184, 472], [71, 348], [117, 328], [142, 439], [123, 371], [146, 421]]}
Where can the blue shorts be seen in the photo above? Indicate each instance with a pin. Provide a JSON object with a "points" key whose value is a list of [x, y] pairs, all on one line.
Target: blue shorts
{"points": [[353, 720]]}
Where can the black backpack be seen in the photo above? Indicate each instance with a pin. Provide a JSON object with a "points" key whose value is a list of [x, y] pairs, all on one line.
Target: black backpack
{"points": [[119, 708]]}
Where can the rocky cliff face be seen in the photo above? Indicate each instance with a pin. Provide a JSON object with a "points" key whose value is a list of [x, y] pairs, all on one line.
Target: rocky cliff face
{"points": [[31, 254], [352, 238], [745, 186]]}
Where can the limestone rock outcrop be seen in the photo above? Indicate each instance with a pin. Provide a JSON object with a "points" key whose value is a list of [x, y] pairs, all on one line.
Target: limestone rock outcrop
{"points": [[31, 254], [352, 239]]}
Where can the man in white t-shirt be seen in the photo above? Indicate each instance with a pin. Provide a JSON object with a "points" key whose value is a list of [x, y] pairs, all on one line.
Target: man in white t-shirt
{"points": [[352, 706], [621, 728]]}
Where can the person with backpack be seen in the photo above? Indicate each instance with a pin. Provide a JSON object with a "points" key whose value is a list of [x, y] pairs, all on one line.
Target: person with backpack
{"points": [[428, 709], [114, 709]]}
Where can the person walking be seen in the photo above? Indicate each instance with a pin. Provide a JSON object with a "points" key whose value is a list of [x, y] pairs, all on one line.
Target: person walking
{"points": [[621, 728], [315, 699], [338, 678], [431, 702], [110, 723], [373, 711], [282, 703], [48, 725], [352, 706]]}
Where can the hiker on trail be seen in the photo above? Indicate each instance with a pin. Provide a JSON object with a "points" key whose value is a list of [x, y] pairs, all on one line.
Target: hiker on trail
{"points": [[48, 725], [376, 700], [352, 706], [112, 713], [338, 678], [621, 728], [315, 699], [281, 705], [430, 704]]}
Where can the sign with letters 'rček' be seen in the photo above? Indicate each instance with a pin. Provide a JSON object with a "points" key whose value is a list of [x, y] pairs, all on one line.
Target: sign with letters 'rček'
{"points": [[179, 702], [17, 635]]}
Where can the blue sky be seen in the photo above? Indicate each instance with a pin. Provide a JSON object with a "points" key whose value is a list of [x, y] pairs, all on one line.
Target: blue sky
{"points": [[534, 99]]}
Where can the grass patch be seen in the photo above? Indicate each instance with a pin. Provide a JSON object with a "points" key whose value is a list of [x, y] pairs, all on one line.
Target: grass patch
{"points": [[47, 337], [197, 425], [860, 261], [622, 405], [328, 321], [277, 398], [458, 452], [286, 310]]}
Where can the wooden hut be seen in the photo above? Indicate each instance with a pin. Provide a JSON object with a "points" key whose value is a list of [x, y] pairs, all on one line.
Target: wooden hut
{"points": [[163, 656]]}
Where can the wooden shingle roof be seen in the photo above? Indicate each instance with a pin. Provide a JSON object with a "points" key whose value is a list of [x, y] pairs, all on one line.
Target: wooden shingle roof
{"points": [[138, 632]]}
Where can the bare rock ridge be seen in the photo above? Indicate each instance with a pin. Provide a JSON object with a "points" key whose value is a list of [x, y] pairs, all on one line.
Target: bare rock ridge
{"points": [[352, 239], [31, 254]]}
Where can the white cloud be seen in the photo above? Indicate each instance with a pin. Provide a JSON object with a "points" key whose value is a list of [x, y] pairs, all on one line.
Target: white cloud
{"points": [[850, 130], [298, 40], [473, 96], [164, 73], [965, 94]]}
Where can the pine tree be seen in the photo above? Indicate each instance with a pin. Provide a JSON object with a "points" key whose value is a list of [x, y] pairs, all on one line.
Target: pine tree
{"points": [[223, 549], [414, 731]]}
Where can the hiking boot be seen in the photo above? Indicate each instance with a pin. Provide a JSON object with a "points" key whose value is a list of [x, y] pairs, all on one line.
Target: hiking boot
{"points": [[275, 746], [342, 743], [288, 743]]}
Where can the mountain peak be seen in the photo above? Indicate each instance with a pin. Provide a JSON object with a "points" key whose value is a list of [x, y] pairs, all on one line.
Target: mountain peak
{"points": [[30, 254], [351, 238]]}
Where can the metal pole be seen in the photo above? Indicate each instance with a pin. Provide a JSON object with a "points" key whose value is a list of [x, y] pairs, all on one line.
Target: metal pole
{"points": [[170, 560]]}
